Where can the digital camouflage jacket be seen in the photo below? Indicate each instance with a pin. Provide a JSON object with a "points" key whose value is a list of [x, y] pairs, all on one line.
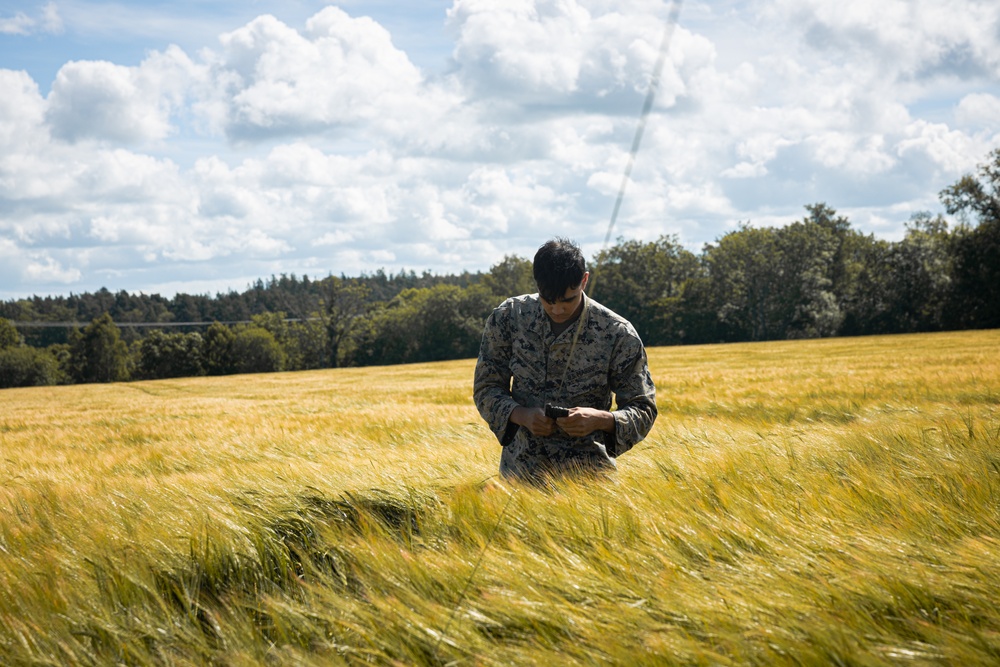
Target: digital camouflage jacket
{"points": [[522, 363]]}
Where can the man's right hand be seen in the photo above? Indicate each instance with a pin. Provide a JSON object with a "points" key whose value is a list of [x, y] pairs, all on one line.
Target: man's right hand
{"points": [[534, 420]]}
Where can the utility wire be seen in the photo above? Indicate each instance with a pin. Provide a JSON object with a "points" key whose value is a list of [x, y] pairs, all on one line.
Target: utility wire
{"points": [[120, 325], [675, 9], [475, 568], [654, 84]]}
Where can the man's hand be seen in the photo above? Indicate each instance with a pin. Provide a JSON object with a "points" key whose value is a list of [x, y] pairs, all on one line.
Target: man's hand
{"points": [[581, 422], [584, 421], [534, 420]]}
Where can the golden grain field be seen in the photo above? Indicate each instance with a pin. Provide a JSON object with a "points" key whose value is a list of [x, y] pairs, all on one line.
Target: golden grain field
{"points": [[804, 502]]}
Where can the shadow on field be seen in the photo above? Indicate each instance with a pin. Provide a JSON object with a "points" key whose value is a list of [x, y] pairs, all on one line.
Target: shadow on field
{"points": [[290, 552]]}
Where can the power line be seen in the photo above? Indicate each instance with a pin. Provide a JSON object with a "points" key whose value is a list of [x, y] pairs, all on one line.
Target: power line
{"points": [[72, 325], [647, 106], [654, 84]]}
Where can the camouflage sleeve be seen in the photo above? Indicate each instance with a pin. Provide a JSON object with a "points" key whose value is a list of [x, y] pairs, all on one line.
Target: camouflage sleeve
{"points": [[635, 395], [491, 388]]}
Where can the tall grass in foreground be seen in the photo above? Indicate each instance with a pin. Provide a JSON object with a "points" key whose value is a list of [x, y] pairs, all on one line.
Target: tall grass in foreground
{"points": [[820, 502]]}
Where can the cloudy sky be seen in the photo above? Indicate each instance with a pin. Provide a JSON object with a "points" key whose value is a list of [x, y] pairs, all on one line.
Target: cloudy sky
{"points": [[196, 145]]}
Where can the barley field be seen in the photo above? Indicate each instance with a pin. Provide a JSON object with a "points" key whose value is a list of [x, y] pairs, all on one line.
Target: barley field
{"points": [[824, 502]]}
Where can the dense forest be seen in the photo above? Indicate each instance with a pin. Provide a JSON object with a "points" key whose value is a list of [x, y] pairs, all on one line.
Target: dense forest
{"points": [[815, 277]]}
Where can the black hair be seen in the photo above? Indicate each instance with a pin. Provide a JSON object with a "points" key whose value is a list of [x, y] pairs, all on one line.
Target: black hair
{"points": [[558, 266]]}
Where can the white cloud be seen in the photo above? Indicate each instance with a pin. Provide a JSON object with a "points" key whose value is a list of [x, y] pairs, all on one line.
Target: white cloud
{"points": [[22, 111], [518, 202], [51, 21], [906, 38], [20, 23], [334, 238], [838, 150], [979, 111], [133, 231], [339, 72], [534, 46], [319, 145], [122, 176], [129, 105], [745, 170], [951, 151], [47, 270], [551, 53], [11, 261]]}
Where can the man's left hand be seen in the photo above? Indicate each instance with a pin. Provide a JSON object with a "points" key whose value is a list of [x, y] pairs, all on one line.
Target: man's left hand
{"points": [[584, 421]]}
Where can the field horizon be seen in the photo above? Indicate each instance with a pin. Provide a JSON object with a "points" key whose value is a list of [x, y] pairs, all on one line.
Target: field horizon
{"points": [[830, 501]]}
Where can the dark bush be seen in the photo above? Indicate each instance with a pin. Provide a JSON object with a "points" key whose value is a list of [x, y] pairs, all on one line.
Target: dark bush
{"points": [[27, 367], [255, 350]]}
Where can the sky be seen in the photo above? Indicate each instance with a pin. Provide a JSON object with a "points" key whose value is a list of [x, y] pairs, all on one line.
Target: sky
{"points": [[196, 146]]}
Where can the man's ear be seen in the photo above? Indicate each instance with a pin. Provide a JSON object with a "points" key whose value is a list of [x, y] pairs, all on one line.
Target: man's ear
{"points": [[586, 279]]}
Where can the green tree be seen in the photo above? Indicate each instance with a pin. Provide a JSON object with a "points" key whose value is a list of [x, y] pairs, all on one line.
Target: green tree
{"points": [[255, 350], [643, 282], [309, 338], [218, 353], [745, 271], [98, 352], [425, 324], [806, 304], [279, 327], [511, 276], [975, 296], [793, 281], [691, 317], [304, 342], [839, 258], [64, 360], [170, 355], [450, 321], [9, 337], [345, 303], [868, 303], [919, 275], [976, 196], [22, 366]]}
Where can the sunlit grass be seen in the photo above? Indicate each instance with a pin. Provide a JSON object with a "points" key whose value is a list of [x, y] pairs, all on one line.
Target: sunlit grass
{"points": [[815, 502]]}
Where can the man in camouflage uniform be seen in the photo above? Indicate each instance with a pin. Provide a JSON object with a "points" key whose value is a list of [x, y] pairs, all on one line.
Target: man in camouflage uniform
{"points": [[562, 348]]}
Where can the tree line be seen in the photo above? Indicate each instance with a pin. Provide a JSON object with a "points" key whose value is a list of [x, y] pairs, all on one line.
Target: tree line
{"points": [[816, 277]]}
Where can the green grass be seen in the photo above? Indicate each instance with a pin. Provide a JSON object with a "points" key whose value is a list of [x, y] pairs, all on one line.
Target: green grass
{"points": [[797, 503]]}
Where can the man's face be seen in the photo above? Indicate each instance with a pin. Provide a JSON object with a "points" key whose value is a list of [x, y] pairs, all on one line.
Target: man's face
{"points": [[563, 309]]}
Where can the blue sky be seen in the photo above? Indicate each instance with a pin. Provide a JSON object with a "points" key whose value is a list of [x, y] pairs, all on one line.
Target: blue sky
{"points": [[161, 147]]}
